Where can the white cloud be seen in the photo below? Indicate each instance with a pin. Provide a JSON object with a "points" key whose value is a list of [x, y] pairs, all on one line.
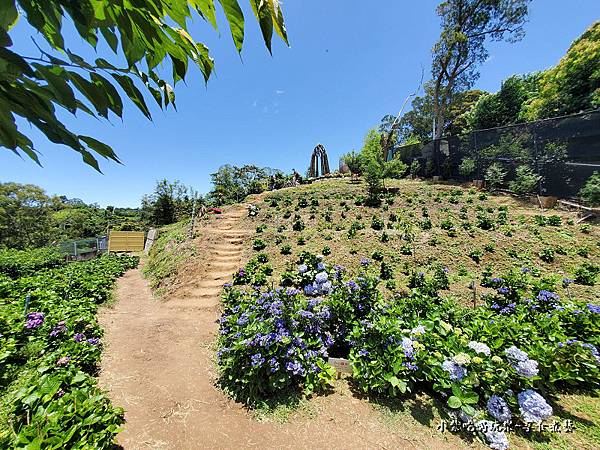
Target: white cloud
{"points": [[279, 92]]}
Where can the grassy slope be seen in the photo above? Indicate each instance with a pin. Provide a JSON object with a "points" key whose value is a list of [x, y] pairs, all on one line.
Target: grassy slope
{"points": [[515, 244]]}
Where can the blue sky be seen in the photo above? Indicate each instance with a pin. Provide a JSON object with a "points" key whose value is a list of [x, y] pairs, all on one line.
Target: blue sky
{"points": [[348, 65]]}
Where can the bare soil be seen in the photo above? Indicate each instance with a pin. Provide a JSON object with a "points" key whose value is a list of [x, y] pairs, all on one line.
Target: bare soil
{"points": [[159, 365]]}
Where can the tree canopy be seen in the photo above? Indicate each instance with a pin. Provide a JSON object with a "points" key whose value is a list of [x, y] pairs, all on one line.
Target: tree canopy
{"points": [[573, 85], [466, 25], [147, 34]]}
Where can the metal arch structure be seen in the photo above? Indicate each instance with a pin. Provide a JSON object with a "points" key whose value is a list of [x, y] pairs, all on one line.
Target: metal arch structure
{"points": [[319, 163]]}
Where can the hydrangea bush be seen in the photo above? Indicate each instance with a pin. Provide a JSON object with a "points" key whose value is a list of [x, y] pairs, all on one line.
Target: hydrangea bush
{"points": [[500, 361]]}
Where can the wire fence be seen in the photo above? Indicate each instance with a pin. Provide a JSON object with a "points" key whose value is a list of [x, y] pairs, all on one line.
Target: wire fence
{"points": [[564, 151], [84, 248]]}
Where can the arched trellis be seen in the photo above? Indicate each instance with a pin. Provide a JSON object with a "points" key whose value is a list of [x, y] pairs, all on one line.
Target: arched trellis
{"points": [[319, 153]]}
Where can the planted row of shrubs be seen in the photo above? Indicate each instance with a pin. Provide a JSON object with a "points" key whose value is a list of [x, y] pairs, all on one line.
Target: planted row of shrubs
{"points": [[50, 345]]}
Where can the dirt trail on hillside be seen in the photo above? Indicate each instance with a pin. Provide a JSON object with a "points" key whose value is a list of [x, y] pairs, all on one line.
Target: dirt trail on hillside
{"points": [[158, 365]]}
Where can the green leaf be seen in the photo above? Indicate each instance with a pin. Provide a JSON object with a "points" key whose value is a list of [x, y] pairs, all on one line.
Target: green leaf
{"points": [[115, 103], [55, 77], [454, 402], [279, 21], [468, 409], [111, 38], [235, 17], [206, 8], [100, 147], [470, 398], [133, 93], [8, 14], [262, 11], [94, 95]]}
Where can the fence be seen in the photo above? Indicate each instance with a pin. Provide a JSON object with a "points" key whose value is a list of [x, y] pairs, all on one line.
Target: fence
{"points": [[565, 151], [126, 241], [84, 248]]}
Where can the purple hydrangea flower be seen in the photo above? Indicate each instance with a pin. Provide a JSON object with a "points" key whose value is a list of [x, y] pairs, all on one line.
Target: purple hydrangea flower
{"points": [[34, 320], [363, 352], [93, 341], [498, 409], [352, 285], [60, 328], [61, 362], [320, 266], [79, 337], [306, 314], [60, 393], [364, 262], [292, 291], [295, 367], [503, 290], [533, 406], [274, 365], [303, 268]]}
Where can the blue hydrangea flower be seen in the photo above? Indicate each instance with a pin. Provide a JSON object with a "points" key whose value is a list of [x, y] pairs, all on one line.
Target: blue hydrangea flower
{"points": [[303, 268], [503, 290], [93, 341], [363, 352], [533, 406], [514, 354], [274, 365], [418, 330], [364, 262], [528, 368], [292, 291], [320, 266], [306, 314], [496, 440], [593, 308], [257, 360], [480, 347], [243, 319], [407, 346], [498, 409], [352, 285], [321, 277], [410, 366], [457, 373]]}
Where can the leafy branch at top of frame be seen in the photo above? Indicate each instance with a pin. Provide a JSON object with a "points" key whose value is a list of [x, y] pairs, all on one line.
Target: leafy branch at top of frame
{"points": [[147, 33]]}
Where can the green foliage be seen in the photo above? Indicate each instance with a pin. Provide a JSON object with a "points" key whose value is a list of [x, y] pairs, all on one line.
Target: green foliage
{"points": [[573, 85], [20, 263], [354, 162], [149, 34], [504, 107], [494, 176], [169, 203], [232, 184], [526, 181], [467, 167], [30, 218], [590, 193], [49, 396]]}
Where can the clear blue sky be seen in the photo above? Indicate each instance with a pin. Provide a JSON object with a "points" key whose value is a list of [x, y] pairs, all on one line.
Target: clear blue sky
{"points": [[348, 65]]}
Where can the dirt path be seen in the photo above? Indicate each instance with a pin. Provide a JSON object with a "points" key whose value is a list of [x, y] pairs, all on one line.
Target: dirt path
{"points": [[158, 365]]}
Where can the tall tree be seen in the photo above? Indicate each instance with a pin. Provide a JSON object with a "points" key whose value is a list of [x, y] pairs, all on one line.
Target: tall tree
{"points": [[24, 216], [147, 33], [417, 124], [466, 25]]}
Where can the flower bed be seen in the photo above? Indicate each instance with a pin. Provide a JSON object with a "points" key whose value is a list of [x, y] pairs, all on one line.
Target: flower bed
{"points": [[498, 362], [49, 356]]}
